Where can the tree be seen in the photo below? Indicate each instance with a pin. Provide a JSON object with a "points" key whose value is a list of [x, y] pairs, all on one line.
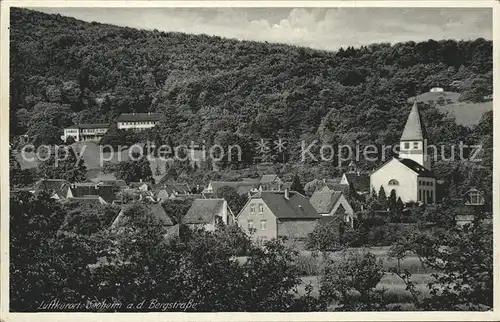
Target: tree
{"points": [[233, 198], [463, 260], [43, 257], [324, 237], [296, 185], [64, 163], [134, 170], [350, 282], [392, 200], [382, 198]]}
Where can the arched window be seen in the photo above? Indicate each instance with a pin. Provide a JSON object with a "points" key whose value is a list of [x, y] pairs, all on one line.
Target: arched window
{"points": [[393, 182]]}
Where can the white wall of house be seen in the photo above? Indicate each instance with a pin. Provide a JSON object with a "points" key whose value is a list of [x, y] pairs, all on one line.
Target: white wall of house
{"points": [[407, 187], [136, 125]]}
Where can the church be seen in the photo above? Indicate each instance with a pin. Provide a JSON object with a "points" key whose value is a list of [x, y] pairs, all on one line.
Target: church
{"points": [[409, 175]]}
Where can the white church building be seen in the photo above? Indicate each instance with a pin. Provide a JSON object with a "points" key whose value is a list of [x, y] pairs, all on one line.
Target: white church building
{"points": [[410, 174]]}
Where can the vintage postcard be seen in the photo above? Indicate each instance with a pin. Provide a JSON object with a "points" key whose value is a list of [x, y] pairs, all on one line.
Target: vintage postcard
{"points": [[248, 160]]}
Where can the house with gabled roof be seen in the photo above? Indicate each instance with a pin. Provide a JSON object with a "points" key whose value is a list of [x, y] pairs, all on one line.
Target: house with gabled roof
{"points": [[208, 213], [155, 210], [172, 191], [57, 187], [333, 203], [106, 193], [270, 182], [269, 214], [472, 203], [89, 199], [241, 187], [141, 185], [410, 174]]}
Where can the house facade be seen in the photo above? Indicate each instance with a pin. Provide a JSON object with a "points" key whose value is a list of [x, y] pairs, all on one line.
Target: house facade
{"points": [[86, 132], [333, 203], [208, 213], [137, 121], [410, 174], [269, 214]]}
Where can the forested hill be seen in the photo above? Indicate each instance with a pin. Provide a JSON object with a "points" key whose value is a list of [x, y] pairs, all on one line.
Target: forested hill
{"points": [[66, 71]]}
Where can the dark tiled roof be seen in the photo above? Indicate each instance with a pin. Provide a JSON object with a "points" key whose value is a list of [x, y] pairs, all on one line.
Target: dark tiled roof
{"points": [[268, 178], [323, 201], [135, 185], [138, 117], [91, 199], [203, 211], [241, 187], [89, 126], [58, 186], [108, 193], [295, 207], [416, 167], [178, 188], [84, 189], [117, 183], [155, 210], [359, 182]]}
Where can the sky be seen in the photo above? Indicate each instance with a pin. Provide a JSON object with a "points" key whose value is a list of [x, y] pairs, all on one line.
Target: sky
{"points": [[319, 28]]}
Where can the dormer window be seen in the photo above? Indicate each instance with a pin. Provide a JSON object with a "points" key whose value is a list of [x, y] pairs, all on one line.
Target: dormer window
{"points": [[475, 197], [393, 182]]}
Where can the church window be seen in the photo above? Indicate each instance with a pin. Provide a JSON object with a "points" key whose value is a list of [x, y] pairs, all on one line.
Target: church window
{"points": [[415, 145], [393, 182], [419, 194], [407, 145]]}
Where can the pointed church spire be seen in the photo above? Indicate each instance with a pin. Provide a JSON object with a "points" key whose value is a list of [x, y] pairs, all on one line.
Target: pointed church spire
{"points": [[414, 128]]}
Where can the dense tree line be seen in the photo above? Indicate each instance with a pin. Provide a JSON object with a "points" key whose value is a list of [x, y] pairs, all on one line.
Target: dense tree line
{"points": [[91, 72]]}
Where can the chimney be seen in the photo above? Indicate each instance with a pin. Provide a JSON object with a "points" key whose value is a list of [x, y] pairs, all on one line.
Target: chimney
{"points": [[287, 195]]}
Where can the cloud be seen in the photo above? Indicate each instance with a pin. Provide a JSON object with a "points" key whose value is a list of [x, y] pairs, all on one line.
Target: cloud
{"points": [[321, 28]]}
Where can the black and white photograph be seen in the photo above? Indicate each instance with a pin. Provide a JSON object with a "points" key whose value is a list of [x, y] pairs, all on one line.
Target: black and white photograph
{"points": [[249, 159]]}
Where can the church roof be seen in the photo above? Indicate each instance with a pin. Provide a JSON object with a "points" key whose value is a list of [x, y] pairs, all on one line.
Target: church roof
{"points": [[414, 129], [416, 167]]}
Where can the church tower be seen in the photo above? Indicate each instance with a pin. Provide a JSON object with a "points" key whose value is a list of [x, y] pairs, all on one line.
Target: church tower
{"points": [[413, 143]]}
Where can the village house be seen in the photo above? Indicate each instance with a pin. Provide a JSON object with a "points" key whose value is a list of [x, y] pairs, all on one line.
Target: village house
{"points": [[333, 203], [358, 182], [172, 191], [82, 189], [208, 213], [88, 199], [269, 214], [154, 210], [141, 186], [241, 187], [270, 182], [86, 132], [466, 209], [410, 174], [137, 121], [334, 185], [57, 187], [120, 184]]}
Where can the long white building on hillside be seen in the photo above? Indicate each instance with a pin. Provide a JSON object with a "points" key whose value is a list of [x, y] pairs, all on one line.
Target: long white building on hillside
{"points": [[137, 121]]}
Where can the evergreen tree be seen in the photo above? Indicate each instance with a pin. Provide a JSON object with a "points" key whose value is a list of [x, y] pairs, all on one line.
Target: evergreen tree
{"points": [[392, 201], [382, 197], [296, 185]]}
